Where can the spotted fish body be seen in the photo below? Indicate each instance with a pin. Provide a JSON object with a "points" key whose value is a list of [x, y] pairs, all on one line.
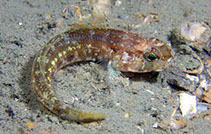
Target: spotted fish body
{"points": [[127, 52]]}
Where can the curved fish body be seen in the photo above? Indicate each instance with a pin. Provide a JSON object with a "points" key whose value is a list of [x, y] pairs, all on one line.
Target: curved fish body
{"points": [[128, 52]]}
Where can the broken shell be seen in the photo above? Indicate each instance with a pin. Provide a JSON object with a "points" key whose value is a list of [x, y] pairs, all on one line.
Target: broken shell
{"points": [[191, 52], [207, 96], [178, 124], [118, 2], [193, 31], [201, 107], [127, 115], [101, 9], [171, 124], [208, 62], [30, 125], [192, 78], [187, 104], [152, 17]]}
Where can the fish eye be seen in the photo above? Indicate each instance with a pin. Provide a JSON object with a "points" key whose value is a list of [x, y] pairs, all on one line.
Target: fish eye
{"points": [[152, 55]]}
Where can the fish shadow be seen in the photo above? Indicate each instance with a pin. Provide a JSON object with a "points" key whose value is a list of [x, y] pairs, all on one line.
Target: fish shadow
{"points": [[150, 77], [25, 82]]}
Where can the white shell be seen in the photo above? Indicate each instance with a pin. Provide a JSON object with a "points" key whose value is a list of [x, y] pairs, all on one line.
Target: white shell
{"points": [[187, 104], [192, 31]]}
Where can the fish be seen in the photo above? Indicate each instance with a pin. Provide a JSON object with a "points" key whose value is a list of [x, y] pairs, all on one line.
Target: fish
{"points": [[126, 51]]}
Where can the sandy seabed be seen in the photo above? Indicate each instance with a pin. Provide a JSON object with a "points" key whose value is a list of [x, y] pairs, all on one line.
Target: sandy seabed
{"points": [[25, 27]]}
